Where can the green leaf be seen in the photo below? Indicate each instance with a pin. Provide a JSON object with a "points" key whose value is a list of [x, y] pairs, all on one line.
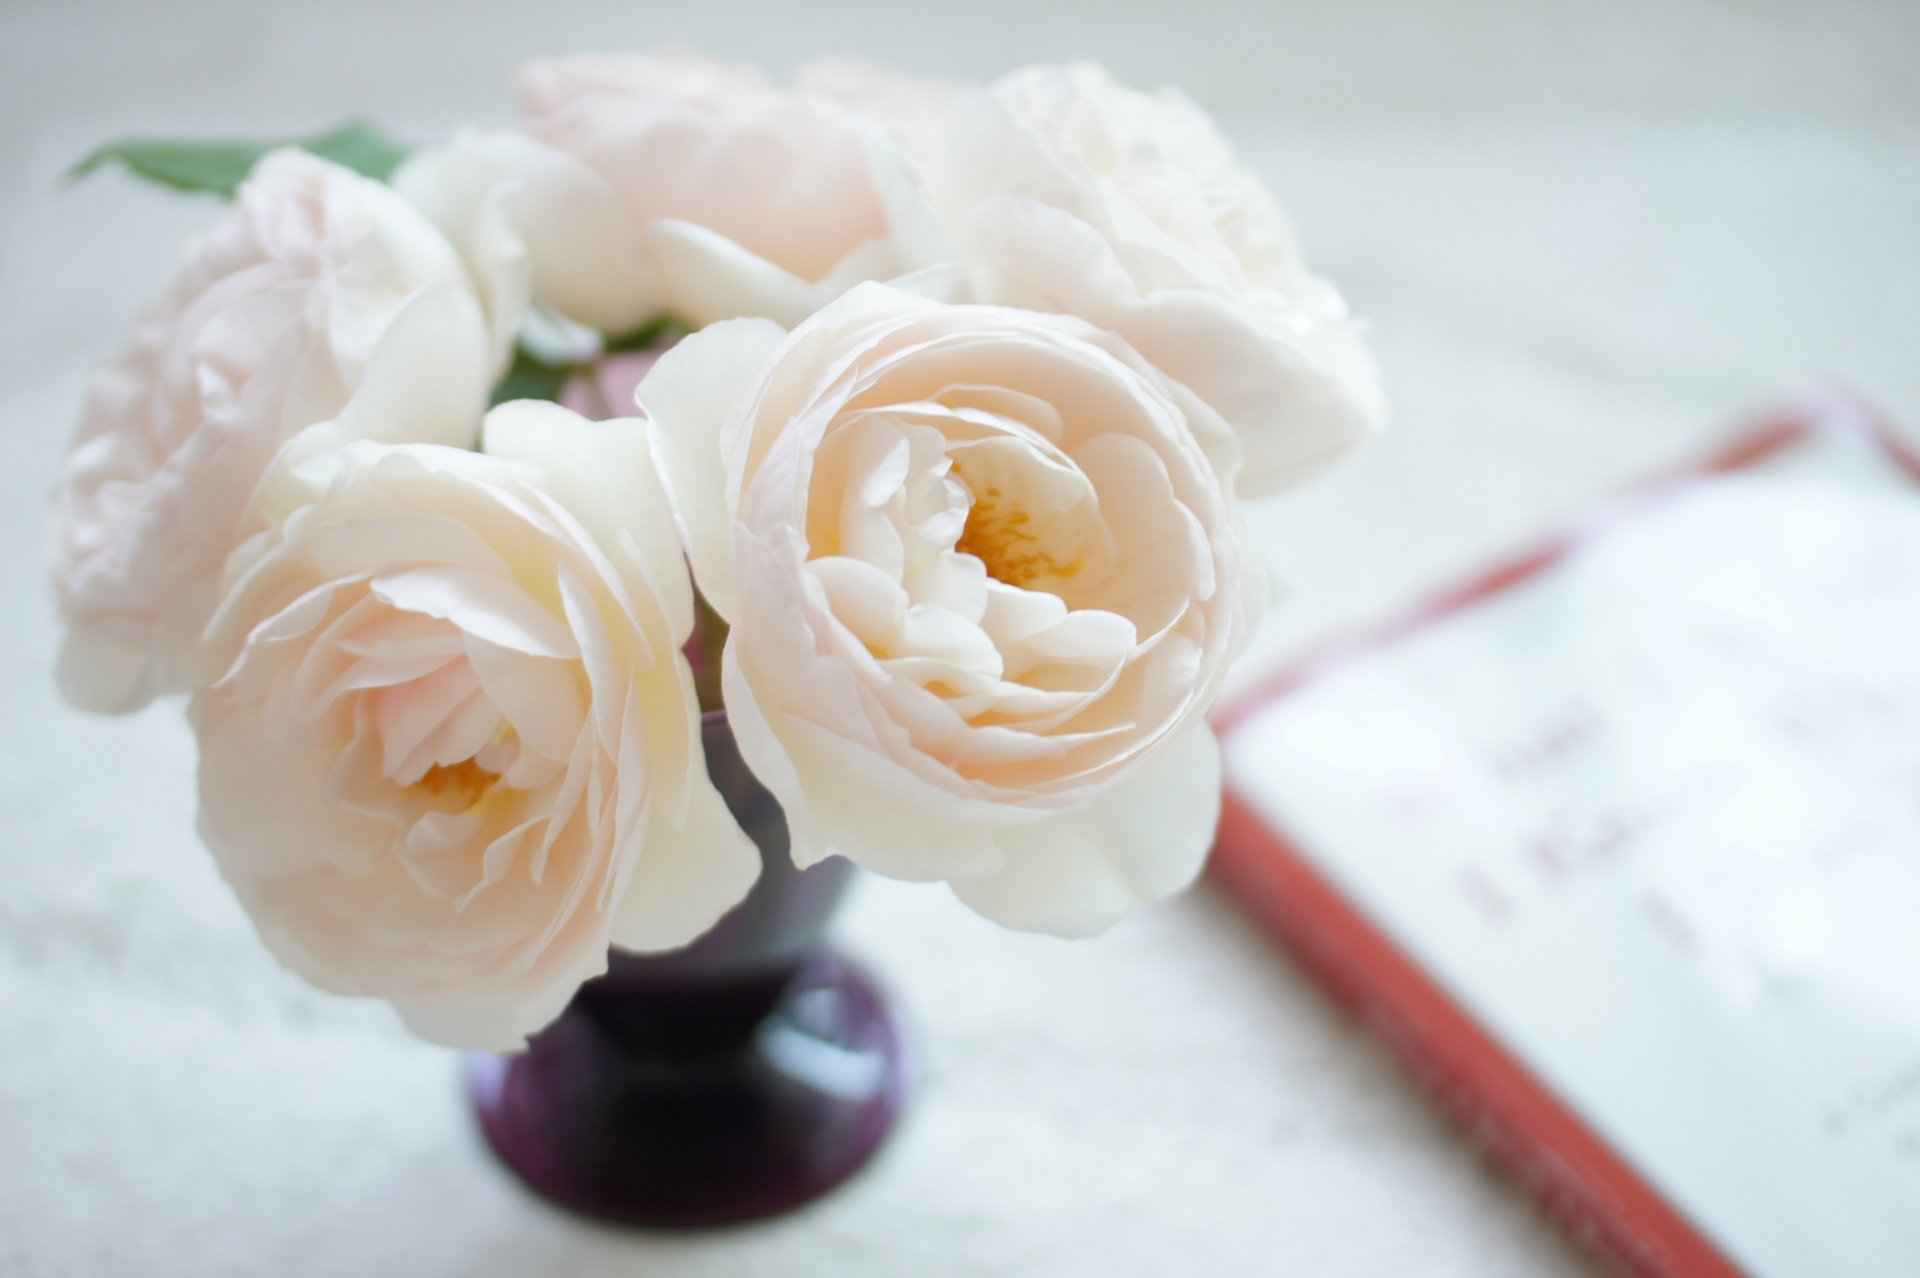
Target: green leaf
{"points": [[220, 167], [528, 378]]}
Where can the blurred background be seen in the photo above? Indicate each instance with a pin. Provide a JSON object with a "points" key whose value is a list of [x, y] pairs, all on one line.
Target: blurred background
{"points": [[1590, 239]]}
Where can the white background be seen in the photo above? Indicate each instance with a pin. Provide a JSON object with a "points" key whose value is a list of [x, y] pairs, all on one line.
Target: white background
{"points": [[1589, 235]]}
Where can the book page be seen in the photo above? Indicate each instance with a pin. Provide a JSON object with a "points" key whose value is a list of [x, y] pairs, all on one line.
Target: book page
{"points": [[1653, 817]]}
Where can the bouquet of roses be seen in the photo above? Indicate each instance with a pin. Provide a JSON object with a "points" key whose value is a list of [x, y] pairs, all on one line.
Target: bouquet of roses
{"points": [[904, 421]]}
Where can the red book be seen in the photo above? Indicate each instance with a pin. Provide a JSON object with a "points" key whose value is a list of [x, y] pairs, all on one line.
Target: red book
{"points": [[1618, 848]]}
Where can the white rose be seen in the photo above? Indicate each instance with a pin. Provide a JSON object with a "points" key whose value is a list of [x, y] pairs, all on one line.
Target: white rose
{"points": [[450, 749], [984, 585], [1068, 192], [312, 282], [645, 185]]}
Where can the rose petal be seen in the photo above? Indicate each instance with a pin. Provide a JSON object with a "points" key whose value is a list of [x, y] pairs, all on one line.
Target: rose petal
{"points": [[1077, 874], [686, 398], [482, 604]]}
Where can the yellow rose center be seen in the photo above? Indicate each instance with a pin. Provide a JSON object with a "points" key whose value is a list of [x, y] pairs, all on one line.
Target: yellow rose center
{"points": [[465, 781], [999, 535]]}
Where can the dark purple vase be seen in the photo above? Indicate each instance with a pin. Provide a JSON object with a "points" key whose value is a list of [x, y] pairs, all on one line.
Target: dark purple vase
{"points": [[740, 1077]]}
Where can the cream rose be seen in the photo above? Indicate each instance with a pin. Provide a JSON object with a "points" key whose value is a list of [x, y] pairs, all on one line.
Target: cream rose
{"points": [[983, 583], [645, 185], [274, 322], [450, 749], [1065, 191]]}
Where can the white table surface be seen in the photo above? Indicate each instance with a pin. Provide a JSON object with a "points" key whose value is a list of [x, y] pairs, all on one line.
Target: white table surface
{"points": [[1589, 235]]}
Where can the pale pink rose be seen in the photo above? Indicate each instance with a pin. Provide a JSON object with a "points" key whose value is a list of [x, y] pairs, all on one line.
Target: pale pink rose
{"points": [[691, 140], [1066, 191], [909, 110], [645, 185], [314, 279], [984, 584], [450, 749]]}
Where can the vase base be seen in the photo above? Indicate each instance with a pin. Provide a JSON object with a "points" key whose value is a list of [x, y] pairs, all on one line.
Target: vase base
{"points": [[690, 1140]]}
